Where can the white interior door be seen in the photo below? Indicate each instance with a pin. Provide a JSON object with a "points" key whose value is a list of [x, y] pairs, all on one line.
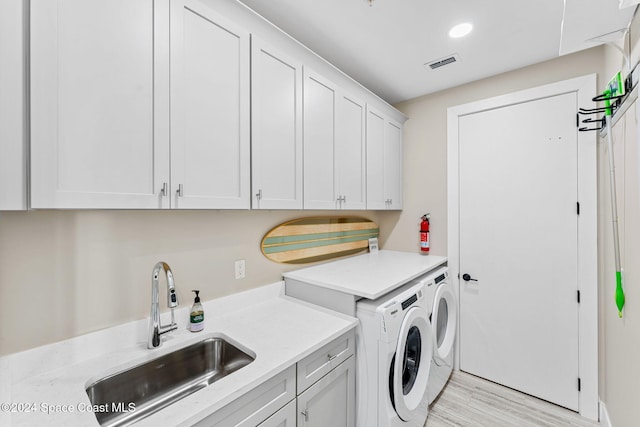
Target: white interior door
{"points": [[518, 189]]}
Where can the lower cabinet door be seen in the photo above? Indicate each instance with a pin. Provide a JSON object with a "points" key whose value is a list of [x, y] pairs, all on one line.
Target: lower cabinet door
{"points": [[285, 417], [257, 405], [330, 401]]}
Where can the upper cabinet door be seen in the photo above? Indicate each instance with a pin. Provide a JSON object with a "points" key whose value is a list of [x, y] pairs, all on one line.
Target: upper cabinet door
{"points": [[334, 146], [320, 101], [351, 152], [393, 163], [276, 122], [384, 161], [376, 198], [98, 130], [210, 113], [13, 141]]}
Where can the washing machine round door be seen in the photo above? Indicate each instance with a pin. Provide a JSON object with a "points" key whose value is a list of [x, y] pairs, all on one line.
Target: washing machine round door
{"points": [[411, 365], [443, 322]]}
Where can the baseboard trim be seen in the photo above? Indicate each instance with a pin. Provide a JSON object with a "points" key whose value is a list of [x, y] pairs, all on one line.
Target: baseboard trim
{"points": [[605, 421]]}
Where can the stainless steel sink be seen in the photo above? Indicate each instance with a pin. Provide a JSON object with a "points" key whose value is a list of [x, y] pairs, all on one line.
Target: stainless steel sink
{"points": [[135, 393]]}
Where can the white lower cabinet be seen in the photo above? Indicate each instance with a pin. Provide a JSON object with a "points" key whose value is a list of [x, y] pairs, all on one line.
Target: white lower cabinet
{"points": [[330, 401], [321, 362], [257, 405], [285, 417], [323, 395]]}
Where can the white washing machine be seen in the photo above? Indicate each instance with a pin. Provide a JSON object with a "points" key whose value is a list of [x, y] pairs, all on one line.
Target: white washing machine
{"points": [[443, 314], [395, 350]]}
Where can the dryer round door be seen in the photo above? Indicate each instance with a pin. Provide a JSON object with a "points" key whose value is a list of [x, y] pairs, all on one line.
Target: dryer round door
{"points": [[443, 322], [411, 364]]}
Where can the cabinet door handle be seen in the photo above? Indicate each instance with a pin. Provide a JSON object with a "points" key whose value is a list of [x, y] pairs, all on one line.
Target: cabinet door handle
{"points": [[331, 357], [180, 190], [163, 190], [306, 414], [259, 194]]}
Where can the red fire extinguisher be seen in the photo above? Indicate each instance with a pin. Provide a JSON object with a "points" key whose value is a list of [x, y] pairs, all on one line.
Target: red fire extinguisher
{"points": [[424, 234]]}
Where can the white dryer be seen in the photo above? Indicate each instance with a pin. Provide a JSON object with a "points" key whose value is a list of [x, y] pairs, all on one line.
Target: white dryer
{"points": [[443, 315], [395, 350]]}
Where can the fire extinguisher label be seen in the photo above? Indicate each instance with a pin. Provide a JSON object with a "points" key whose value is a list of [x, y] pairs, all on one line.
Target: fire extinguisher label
{"points": [[424, 240]]}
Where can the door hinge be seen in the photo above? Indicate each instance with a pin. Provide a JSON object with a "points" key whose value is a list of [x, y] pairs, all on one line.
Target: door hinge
{"points": [[579, 384], [578, 208], [578, 297]]}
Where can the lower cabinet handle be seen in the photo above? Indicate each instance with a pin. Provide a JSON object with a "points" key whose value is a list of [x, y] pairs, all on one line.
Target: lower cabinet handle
{"points": [[331, 357], [163, 191], [180, 190], [306, 414]]}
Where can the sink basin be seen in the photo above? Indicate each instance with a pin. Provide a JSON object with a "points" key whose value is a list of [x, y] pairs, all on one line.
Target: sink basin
{"points": [[135, 393]]}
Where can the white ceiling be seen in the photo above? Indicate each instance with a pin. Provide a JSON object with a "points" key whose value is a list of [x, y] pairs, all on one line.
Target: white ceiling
{"points": [[385, 46]]}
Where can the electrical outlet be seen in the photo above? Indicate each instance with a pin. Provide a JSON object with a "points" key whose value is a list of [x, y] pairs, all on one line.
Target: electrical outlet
{"points": [[240, 269]]}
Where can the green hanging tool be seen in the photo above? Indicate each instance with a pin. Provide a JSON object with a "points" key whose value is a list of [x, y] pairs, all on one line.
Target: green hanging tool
{"points": [[614, 90]]}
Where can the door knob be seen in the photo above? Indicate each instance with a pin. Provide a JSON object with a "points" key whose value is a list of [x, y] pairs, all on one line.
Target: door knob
{"points": [[467, 278]]}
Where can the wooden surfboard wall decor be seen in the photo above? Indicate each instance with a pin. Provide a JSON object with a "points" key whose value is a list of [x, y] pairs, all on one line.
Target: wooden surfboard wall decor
{"points": [[318, 238]]}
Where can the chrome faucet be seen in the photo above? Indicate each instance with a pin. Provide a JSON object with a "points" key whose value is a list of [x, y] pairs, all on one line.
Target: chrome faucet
{"points": [[155, 329]]}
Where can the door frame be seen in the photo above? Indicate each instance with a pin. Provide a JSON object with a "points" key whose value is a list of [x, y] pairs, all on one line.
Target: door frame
{"points": [[585, 88]]}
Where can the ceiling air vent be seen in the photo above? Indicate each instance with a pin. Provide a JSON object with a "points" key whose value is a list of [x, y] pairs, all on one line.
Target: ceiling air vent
{"points": [[438, 63]]}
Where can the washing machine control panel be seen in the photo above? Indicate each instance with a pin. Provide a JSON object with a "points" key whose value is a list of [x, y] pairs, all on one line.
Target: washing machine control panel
{"points": [[441, 277], [409, 301]]}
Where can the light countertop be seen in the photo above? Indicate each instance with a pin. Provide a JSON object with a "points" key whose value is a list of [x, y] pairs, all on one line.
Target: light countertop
{"points": [[278, 329], [370, 275]]}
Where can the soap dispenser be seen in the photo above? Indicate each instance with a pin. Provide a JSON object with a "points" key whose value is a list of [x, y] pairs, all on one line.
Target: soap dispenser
{"points": [[196, 319]]}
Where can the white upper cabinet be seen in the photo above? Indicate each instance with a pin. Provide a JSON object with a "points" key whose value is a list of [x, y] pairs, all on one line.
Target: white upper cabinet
{"points": [[351, 152], [276, 147], [320, 99], [13, 115], [192, 104], [393, 163], [334, 146], [384, 161], [99, 103], [210, 110]]}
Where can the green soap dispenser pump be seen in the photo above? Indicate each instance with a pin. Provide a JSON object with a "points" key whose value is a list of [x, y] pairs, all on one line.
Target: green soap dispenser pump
{"points": [[196, 319]]}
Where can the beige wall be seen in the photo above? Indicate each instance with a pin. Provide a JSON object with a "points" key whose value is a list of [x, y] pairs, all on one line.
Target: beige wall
{"points": [[425, 191], [425, 155], [66, 273]]}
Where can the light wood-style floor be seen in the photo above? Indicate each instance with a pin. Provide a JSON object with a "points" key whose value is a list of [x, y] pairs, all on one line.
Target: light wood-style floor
{"points": [[471, 401]]}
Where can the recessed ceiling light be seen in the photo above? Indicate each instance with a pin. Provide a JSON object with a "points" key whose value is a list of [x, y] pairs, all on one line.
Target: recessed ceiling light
{"points": [[460, 30]]}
